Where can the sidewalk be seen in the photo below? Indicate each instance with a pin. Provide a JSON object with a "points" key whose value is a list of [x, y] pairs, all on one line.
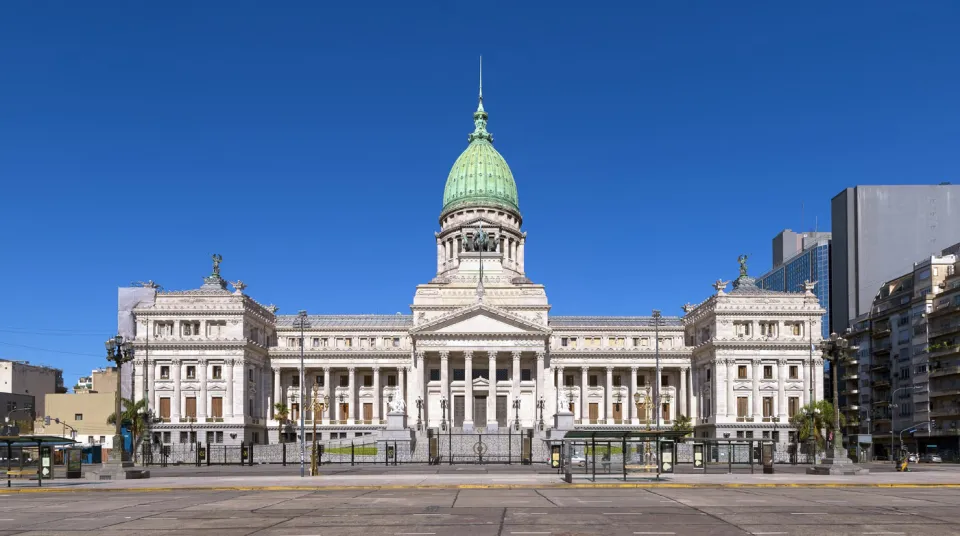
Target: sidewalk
{"points": [[501, 480]]}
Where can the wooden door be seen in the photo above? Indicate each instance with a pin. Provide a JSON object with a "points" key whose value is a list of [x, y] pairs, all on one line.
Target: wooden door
{"points": [[216, 407], [594, 412], [480, 410], [344, 411], [502, 410], [617, 412], [458, 411], [191, 408], [165, 408], [367, 412], [642, 412]]}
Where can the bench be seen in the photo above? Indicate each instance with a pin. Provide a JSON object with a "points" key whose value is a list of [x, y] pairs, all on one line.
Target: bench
{"points": [[20, 473]]}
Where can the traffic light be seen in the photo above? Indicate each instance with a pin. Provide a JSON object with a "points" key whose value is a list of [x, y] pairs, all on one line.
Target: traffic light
{"points": [[46, 420]]}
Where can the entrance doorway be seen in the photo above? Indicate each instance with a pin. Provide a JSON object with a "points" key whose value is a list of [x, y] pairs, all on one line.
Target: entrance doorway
{"points": [[502, 410], [617, 412], [367, 412], [458, 411], [480, 410], [594, 412], [344, 411]]}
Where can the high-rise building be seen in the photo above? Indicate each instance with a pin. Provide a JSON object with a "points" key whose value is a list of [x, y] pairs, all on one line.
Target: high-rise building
{"points": [[878, 233], [943, 322], [800, 257]]}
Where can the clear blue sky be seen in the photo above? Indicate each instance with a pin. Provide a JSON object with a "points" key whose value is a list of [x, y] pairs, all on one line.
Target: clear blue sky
{"points": [[652, 142]]}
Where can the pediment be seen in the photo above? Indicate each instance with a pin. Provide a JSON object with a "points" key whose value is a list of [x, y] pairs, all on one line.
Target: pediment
{"points": [[480, 318]]}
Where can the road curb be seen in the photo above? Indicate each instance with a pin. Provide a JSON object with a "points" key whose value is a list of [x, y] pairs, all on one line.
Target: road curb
{"points": [[427, 487]]}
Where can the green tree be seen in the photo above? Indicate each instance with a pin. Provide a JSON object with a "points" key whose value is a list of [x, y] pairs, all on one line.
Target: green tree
{"points": [[822, 421], [280, 413], [137, 415], [683, 424]]}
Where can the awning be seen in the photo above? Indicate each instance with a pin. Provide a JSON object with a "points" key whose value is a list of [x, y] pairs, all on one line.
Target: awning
{"points": [[31, 440]]}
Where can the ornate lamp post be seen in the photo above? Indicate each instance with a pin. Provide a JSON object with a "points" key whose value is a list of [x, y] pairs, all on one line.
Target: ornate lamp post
{"points": [[540, 405], [656, 379], [119, 352], [616, 402], [443, 408], [516, 414], [419, 413], [301, 322], [835, 349]]}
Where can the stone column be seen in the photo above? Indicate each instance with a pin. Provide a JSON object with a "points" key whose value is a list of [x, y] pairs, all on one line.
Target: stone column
{"points": [[175, 406], [138, 382], [694, 395], [278, 397], [468, 390], [756, 372], [376, 395], [401, 388], [516, 375], [148, 383], [805, 374], [327, 391], [609, 409], [731, 396], [351, 396], [492, 395], [415, 385], [445, 382], [541, 384], [561, 398], [440, 257], [818, 377], [781, 409], [520, 255], [202, 378], [583, 414], [634, 417], [682, 393], [228, 409]]}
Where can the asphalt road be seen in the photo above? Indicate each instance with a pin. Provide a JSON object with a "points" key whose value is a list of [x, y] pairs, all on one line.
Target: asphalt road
{"points": [[819, 511]]}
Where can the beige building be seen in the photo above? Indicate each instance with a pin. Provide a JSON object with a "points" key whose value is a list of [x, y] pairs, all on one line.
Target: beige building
{"points": [[22, 378], [86, 412]]}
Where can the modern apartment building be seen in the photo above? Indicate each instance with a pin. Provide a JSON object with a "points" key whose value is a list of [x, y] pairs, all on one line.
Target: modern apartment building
{"points": [[800, 257], [885, 389], [944, 365], [878, 232]]}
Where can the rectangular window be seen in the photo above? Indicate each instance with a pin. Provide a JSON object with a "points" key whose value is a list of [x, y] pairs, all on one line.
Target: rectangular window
{"points": [[794, 405], [568, 380], [318, 380], [708, 374], [503, 375], [183, 437], [664, 380], [749, 434], [295, 380], [219, 439], [768, 406], [776, 436], [768, 329], [794, 372], [217, 372], [396, 342], [191, 372], [78, 416], [593, 380], [768, 372], [216, 407], [315, 342], [367, 380], [166, 438], [526, 375], [564, 342], [742, 406], [391, 381], [616, 380], [739, 434], [459, 375], [345, 380], [434, 374], [741, 372], [165, 408], [210, 436], [641, 380], [295, 412], [191, 407], [164, 372]]}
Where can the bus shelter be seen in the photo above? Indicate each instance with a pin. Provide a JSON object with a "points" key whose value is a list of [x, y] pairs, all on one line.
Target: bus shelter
{"points": [[25, 446], [617, 453]]}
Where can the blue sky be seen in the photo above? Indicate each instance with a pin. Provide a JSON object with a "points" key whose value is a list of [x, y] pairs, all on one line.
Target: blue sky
{"points": [[652, 142]]}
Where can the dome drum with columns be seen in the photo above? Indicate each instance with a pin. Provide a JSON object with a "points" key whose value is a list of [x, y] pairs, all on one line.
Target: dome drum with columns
{"points": [[480, 336]]}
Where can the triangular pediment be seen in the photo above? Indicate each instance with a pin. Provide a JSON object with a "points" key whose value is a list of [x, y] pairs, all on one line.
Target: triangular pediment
{"points": [[480, 318]]}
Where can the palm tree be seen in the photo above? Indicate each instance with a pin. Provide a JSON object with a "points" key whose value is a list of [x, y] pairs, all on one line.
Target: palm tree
{"points": [[822, 417], [683, 424], [138, 415], [280, 414]]}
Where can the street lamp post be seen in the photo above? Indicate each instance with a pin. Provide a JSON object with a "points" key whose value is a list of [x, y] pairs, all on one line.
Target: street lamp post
{"points": [[419, 413], [516, 414], [443, 408], [656, 379], [540, 404], [319, 406], [301, 322], [835, 349], [119, 352]]}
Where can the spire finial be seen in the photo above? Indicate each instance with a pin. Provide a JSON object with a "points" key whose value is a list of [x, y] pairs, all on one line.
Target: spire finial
{"points": [[480, 105]]}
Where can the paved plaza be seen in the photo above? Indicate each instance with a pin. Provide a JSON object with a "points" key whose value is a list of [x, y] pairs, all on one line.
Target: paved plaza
{"points": [[553, 511]]}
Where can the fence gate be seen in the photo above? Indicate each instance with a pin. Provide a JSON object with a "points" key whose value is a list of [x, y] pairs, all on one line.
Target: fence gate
{"points": [[506, 447]]}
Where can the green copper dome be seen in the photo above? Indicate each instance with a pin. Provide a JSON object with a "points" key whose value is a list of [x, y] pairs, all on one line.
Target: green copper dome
{"points": [[480, 176]]}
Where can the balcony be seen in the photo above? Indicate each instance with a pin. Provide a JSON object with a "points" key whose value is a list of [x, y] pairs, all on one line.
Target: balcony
{"points": [[744, 419], [949, 411], [942, 393], [881, 366], [936, 351], [880, 332], [850, 376], [946, 330], [881, 349], [944, 371], [881, 384], [881, 403]]}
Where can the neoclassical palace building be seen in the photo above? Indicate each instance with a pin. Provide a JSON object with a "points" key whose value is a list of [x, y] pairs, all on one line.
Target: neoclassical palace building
{"points": [[480, 349]]}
